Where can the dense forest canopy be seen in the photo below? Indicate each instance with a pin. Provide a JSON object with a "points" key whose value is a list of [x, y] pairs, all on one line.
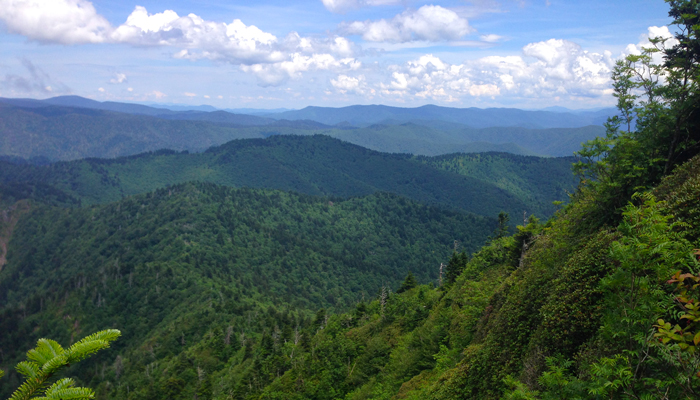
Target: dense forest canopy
{"points": [[228, 293], [317, 165]]}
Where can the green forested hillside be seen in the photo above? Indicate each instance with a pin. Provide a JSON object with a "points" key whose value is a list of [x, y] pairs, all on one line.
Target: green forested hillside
{"points": [[256, 294], [316, 165], [428, 141], [168, 267], [536, 181]]}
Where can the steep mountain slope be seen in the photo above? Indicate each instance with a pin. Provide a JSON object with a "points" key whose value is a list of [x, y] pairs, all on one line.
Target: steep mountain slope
{"points": [[316, 165], [167, 270], [167, 266]]}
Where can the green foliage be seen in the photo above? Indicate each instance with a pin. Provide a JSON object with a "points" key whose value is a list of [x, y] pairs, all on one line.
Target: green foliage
{"points": [[48, 358], [661, 99], [454, 268], [215, 286], [408, 283], [239, 293], [316, 165], [536, 181]]}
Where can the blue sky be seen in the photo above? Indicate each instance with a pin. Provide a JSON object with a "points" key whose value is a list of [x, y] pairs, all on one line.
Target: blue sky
{"points": [[270, 54]]}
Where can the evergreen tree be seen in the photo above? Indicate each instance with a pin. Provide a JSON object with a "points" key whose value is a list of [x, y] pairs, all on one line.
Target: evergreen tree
{"points": [[502, 230], [455, 266], [408, 283]]}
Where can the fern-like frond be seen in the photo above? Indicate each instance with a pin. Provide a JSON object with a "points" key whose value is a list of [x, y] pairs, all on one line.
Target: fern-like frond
{"points": [[54, 364], [80, 351], [108, 335], [61, 384], [91, 344], [28, 389], [2, 373], [64, 390], [28, 369], [79, 393], [45, 350]]}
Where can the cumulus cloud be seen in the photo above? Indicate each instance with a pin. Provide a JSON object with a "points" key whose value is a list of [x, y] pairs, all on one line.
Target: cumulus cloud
{"points": [[277, 73], [36, 81], [337, 6], [56, 21], [118, 78], [644, 42], [429, 23], [274, 60], [347, 84], [544, 70]]}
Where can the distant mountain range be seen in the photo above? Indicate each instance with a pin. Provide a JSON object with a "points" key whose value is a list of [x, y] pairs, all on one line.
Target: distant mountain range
{"points": [[470, 117], [72, 127], [358, 115]]}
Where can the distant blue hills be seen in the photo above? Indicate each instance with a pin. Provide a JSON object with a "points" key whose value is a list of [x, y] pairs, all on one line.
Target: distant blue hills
{"points": [[71, 127]]}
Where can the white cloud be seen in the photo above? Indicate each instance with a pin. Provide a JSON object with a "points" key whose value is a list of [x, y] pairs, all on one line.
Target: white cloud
{"points": [[57, 21], [102, 90], [130, 89], [345, 5], [235, 42], [345, 84], [430, 23], [489, 90], [118, 78], [491, 38], [644, 42], [188, 94], [277, 73], [544, 70], [271, 59]]}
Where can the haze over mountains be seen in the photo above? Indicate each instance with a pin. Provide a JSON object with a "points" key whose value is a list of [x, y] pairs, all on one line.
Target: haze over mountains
{"points": [[72, 127]]}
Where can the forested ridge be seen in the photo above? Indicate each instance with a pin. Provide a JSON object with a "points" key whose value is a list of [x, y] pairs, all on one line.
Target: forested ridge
{"points": [[315, 165], [225, 293], [194, 256]]}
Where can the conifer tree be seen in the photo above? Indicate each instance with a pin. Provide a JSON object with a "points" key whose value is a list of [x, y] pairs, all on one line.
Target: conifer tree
{"points": [[455, 267], [408, 283], [48, 358]]}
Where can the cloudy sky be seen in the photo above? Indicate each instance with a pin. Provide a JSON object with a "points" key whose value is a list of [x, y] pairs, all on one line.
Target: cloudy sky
{"points": [[274, 53]]}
